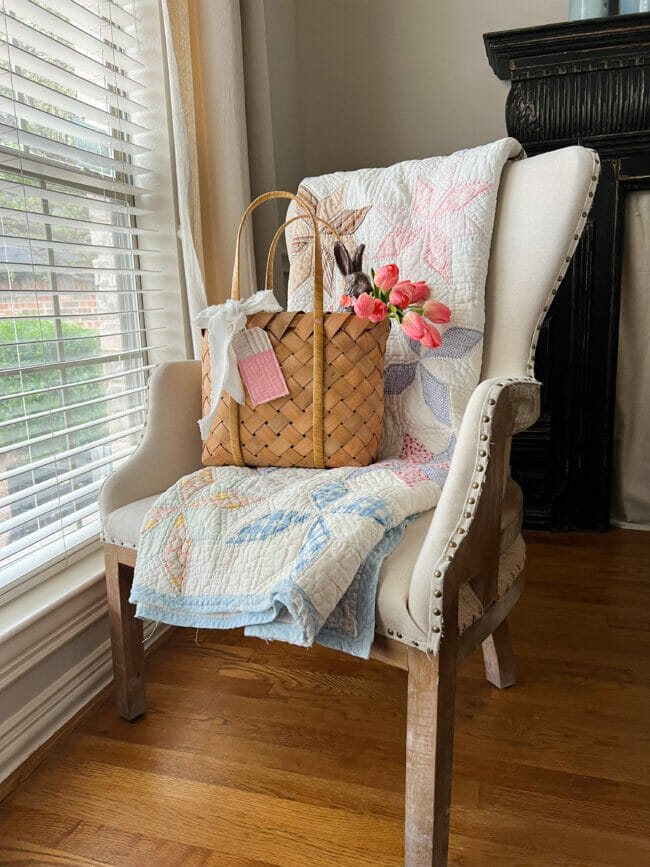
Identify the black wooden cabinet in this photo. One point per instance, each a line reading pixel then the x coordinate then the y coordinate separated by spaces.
pixel 579 82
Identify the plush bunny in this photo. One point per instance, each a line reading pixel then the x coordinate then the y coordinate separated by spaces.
pixel 356 282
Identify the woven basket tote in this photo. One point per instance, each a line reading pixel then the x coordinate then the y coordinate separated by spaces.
pixel 333 364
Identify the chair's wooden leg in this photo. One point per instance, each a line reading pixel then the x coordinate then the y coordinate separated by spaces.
pixel 498 657
pixel 126 638
pixel 429 755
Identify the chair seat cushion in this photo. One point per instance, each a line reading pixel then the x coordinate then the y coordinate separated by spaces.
pixel 122 527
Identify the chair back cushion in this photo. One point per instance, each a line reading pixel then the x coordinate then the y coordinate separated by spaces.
pixel 542 208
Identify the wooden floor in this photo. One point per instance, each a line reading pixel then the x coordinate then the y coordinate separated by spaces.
pixel 256 754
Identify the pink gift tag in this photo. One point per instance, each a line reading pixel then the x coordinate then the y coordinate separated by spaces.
pixel 258 365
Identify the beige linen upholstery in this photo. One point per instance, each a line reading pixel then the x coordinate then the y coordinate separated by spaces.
pixel 170 446
pixel 122 527
pixel 542 207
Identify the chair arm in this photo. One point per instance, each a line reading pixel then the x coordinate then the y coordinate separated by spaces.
pixel 170 446
pixel 463 539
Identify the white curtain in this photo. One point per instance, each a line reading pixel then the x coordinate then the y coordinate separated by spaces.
pixel 631 493
pixel 194 283
pixel 208 102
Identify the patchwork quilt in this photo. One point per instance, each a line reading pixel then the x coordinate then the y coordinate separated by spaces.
pixel 295 553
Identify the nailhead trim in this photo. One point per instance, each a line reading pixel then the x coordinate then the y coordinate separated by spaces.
pixel 467 515
pixel 480 468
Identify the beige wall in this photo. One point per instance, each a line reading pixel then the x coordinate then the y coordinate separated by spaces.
pixel 377 81
pixel 358 83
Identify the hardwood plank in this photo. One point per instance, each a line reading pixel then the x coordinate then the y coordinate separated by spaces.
pixel 198 814
pixel 104 843
pixel 255 754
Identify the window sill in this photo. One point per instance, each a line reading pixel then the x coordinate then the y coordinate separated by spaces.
pixel 31 606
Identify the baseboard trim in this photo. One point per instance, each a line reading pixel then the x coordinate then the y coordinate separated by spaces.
pixel 39 719
pixel 62 624
pixel 32 732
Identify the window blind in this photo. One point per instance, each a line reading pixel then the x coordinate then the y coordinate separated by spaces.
pixel 73 338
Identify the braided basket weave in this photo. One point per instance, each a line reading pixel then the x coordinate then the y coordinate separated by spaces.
pixel 333 364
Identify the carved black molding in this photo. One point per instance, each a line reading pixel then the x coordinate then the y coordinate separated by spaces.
pixel 551 45
pixel 578 105
pixel 579 82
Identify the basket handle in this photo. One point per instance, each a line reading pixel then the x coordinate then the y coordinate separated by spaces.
pixel 268 282
pixel 318 436
pixel 316 257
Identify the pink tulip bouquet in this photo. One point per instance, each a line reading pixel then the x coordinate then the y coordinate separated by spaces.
pixel 408 303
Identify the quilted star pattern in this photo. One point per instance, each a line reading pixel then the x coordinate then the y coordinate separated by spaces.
pixel 345 221
pixel 437 215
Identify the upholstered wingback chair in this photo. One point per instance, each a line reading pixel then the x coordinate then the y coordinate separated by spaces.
pixel 460 563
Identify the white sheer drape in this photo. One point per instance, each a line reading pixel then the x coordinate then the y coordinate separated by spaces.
pixel 631 493
pixel 194 284
pixel 207 89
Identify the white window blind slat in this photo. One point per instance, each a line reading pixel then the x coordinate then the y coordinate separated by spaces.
pixel 53 436
pixel 75 340
pixel 51 507
pixel 31 218
pixel 36 165
pixel 43 342
pixel 60 479
pixel 79 112
pixel 47 71
pixel 109 377
pixel 15 267
pixel 118 14
pixel 28 191
pixel 73 364
pixel 68 454
pixel 107 26
pixel 16 111
pixel 44 246
pixel 66 29
pixel 66 53
pixel 50 529
pixel 65 317
pixel 15 133
pixel 49 413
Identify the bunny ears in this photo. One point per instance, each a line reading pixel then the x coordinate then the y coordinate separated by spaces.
pixel 348 264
